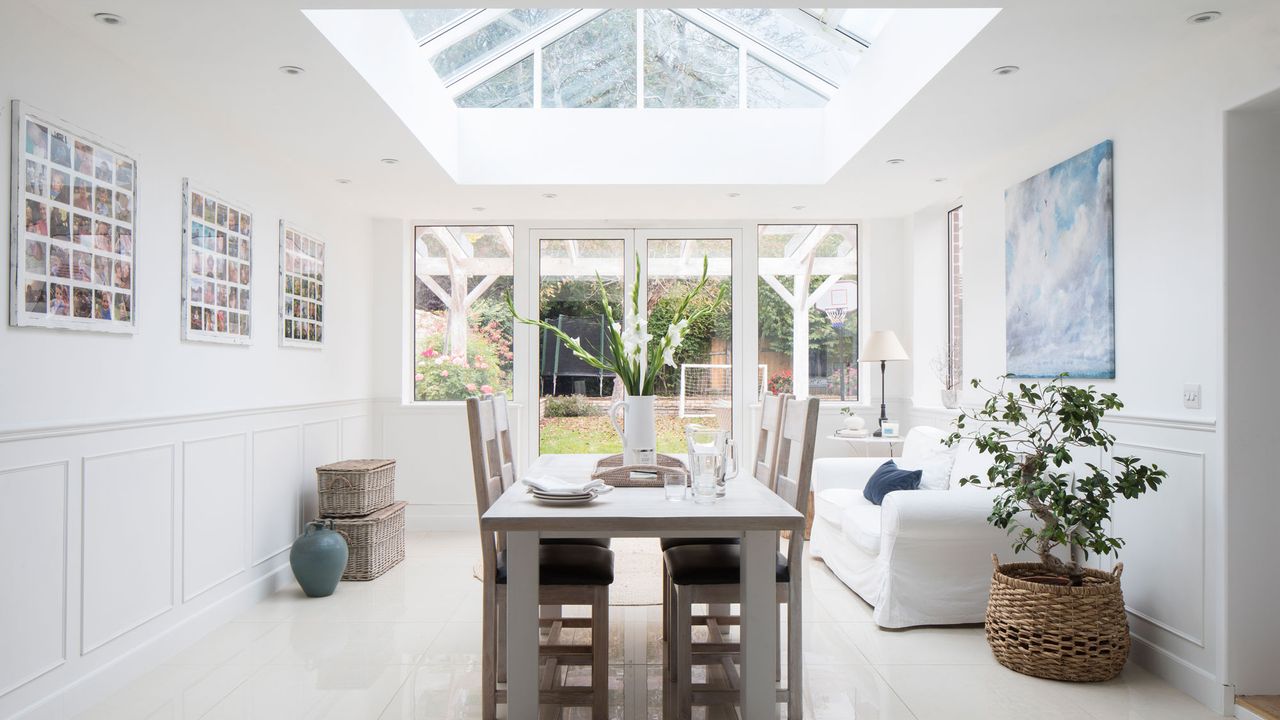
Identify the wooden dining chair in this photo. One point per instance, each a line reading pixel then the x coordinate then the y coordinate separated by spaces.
pixel 570 574
pixel 763 468
pixel 710 574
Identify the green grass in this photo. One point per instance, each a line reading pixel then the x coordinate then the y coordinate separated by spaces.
pixel 596 435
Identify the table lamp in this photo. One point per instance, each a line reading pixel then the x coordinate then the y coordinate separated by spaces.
pixel 883 346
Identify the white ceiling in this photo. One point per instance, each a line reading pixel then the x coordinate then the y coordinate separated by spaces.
pixel 332 124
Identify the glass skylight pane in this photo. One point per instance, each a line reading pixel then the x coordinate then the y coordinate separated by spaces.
pixel 790 39
pixel 426 22
pixel 511 88
pixel 593 66
pixel 686 66
pixel 492 39
pixel 865 23
pixel 768 88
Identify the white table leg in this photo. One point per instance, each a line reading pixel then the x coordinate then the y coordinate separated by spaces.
pixel 759 625
pixel 522 625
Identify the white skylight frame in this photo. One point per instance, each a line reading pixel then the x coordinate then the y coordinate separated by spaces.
pixel 824 28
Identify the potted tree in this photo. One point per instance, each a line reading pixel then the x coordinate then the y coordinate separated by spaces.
pixel 1055 618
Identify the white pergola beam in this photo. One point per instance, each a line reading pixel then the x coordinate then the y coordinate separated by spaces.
pixel 479 289
pixel 823 288
pixel 782 291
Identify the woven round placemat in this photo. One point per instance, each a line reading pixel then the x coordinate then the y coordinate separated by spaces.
pixel 1058 632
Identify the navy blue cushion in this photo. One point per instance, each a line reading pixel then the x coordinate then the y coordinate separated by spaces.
pixel 887 478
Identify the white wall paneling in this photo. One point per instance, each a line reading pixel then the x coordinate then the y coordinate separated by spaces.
pixel 276 477
pixel 214 493
pixel 128 525
pixel 320 446
pixel 138 537
pixel 356 438
pixel 33 526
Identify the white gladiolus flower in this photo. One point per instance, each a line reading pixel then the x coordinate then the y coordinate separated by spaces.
pixel 669 356
pixel 635 338
pixel 675 334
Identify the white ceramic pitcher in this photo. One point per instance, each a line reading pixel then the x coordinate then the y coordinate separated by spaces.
pixel 639 436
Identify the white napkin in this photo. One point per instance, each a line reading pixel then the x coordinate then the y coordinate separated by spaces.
pixel 548 485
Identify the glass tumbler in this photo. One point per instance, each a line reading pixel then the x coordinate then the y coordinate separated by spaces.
pixel 675 483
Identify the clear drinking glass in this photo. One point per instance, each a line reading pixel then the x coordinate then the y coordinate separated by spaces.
pixel 675 484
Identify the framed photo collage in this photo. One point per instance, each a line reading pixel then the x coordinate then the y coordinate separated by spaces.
pixel 73 250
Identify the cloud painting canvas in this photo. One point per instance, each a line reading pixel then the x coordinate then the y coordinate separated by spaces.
pixel 1060 270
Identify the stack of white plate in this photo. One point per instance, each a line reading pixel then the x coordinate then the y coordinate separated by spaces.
pixel 559 498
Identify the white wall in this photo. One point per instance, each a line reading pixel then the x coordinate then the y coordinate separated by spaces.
pixel 151 486
pixel 1169 137
pixel 1252 266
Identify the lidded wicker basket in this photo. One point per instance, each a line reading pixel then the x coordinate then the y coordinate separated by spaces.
pixel 356 487
pixel 375 543
pixel 1057 632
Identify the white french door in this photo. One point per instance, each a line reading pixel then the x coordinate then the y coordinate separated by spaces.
pixel 709 384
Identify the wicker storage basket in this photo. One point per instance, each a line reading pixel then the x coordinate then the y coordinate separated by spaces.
pixel 375 542
pixel 611 470
pixel 1079 634
pixel 356 487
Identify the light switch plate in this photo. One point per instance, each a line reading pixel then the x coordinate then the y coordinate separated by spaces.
pixel 1191 397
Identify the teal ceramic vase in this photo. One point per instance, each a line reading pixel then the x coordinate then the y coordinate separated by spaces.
pixel 318 557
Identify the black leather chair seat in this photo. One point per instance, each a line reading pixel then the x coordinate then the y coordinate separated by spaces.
pixel 597 542
pixel 568 565
pixel 668 543
pixel 712 565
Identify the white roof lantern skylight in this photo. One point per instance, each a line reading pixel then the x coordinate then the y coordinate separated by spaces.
pixel 693 58
pixel 699 96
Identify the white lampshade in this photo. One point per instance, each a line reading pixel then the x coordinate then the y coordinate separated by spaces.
pixel 882 345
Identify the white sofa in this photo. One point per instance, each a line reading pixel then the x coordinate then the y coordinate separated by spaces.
pixel 923 557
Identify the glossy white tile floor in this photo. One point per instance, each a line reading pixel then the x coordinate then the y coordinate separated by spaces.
pixel 408 646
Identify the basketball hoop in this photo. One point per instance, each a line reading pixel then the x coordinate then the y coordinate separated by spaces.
pixel 836 315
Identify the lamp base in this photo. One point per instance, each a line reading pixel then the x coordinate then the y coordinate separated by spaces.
pixel 878 433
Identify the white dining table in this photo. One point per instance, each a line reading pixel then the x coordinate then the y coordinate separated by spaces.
pixel 749 511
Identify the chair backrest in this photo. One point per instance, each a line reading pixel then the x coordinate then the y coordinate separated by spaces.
pixel 795 463
pixel 506 447
pixel 486 466
pixel 771 412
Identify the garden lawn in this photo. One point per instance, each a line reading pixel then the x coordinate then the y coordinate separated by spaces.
pixel 595 434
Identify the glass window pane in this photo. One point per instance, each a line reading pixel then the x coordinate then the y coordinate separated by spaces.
pixel 791 39
pixel 953 376
pixel 490 40
pixel 593 66
pixel 511 88
pixel 462 327
pixel 699 388
pixel 575 397
pixel 686 66
pixel 820 260
pixel 426 22
pixel 768 88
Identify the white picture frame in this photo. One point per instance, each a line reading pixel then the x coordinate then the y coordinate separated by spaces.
pixel 74 216
pixel 301 287
pixel 217 296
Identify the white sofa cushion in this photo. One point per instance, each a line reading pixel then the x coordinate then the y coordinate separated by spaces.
pixel 925 451
pixel 830 504
pixel 969 462
pixel 861 526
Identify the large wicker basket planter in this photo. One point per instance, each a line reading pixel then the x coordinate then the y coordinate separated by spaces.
pixel 1078 634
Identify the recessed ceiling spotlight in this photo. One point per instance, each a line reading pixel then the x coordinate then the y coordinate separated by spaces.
pixel 939 180
pixel 735 194
pixel 343 181
pixel 108 18
pixel 1201 18
pixel 797 207
pixel 895 161
pixel 478 208
pixel 1006 70
pixel 389 161
pixel 550 196
pixel 292 70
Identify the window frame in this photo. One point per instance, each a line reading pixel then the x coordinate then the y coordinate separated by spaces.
pixel 955 305
pixel 860 299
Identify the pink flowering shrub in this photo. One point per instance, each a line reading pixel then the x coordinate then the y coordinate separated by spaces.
pixel 441 373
